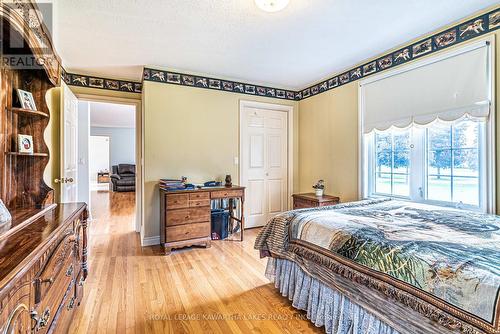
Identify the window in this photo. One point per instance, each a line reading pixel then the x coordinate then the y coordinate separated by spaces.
pixel 392 163
pixel 453 163
pixel 428 129
pixel 441 163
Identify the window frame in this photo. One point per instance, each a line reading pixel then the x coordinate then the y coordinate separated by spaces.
pixel 373 167
pixel 419 169
pixel 487 154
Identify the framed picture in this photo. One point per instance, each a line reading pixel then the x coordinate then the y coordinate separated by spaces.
pixel 25 143
pixel 26 99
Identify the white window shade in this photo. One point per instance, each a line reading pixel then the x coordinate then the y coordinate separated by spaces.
pixel 448 88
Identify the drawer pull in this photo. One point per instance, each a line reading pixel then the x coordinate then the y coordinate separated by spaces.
pixel 40 321
pixel 69 272
pixel 46 280
pixel 71 303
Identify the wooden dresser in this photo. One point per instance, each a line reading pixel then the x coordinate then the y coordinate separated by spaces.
pixel 310 200
pixel 185 215
pixel 43 266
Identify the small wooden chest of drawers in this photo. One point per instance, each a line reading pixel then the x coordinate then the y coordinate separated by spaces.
pixel 310 200
pixel 185 219
pixel 185 215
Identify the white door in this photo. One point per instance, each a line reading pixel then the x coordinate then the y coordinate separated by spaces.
pixel 264 168
pixel 69 146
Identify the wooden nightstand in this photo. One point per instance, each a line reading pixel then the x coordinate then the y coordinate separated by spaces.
pixel 310 200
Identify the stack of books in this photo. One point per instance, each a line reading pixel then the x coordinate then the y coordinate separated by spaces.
pixel 172 184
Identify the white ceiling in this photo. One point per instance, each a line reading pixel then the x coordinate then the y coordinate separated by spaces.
pixel 232 39
pixel 112 115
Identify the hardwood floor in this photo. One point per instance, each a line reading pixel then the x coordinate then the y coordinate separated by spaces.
pixel 131 289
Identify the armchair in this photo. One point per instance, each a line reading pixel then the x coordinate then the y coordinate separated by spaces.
pixel 123 177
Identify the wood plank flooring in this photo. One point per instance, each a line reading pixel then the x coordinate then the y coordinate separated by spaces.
pixel 131 289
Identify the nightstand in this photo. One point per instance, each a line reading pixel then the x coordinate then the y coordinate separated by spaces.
pixel 310 200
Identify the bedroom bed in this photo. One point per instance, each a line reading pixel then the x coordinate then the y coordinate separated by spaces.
pixel 387 266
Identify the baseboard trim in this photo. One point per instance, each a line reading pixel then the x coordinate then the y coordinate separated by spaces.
pixel 150 241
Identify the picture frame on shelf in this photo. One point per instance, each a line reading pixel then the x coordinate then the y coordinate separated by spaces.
pixel 25 143
pixel 26 99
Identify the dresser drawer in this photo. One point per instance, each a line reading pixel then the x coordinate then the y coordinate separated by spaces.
pixel 53 281
pixel 59 267
pixel 199 203
pixel 188 231
pixel 198 196
pixel 301 204
pixel 186 216
pixel 176 201
pixel 226 193
pixel 62 319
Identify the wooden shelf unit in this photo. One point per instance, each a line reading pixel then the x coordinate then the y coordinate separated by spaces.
pixel 28 154
pixel 29 112
pixel 23 186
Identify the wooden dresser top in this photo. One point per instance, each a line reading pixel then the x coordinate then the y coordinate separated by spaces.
pixel 16 249
pixel 204 189
pixel 313 197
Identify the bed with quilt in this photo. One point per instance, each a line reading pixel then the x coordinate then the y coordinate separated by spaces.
pixel 388 266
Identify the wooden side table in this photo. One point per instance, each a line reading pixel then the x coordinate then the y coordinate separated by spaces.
pixel 102 177
pixel 310 200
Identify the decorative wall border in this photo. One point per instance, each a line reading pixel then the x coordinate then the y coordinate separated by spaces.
pixel 191 80
pixel 100 83
pixel 461 32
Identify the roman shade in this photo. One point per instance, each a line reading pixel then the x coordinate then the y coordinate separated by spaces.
pixel 450 87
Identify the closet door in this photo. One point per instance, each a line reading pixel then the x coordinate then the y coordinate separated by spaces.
pixel 264 169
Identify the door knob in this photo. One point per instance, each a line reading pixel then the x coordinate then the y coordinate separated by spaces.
pixel 64 180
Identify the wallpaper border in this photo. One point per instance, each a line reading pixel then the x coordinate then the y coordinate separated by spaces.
pixel 461 32
pixel 89 81
pixel 198 81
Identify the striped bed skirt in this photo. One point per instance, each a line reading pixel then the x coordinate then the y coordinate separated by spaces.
pixel 324 305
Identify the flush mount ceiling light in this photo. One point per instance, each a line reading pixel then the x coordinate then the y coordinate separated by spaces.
pixel 271 5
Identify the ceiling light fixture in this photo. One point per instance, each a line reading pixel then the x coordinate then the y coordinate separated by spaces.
pixel 271 5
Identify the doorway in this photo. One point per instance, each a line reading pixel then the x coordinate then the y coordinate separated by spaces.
pixel 265 159
pixel 101 136
pixel 110 162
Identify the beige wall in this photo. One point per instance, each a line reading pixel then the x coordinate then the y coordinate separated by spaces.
pixel 328 137
pixel 328 145
pixel 191 132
